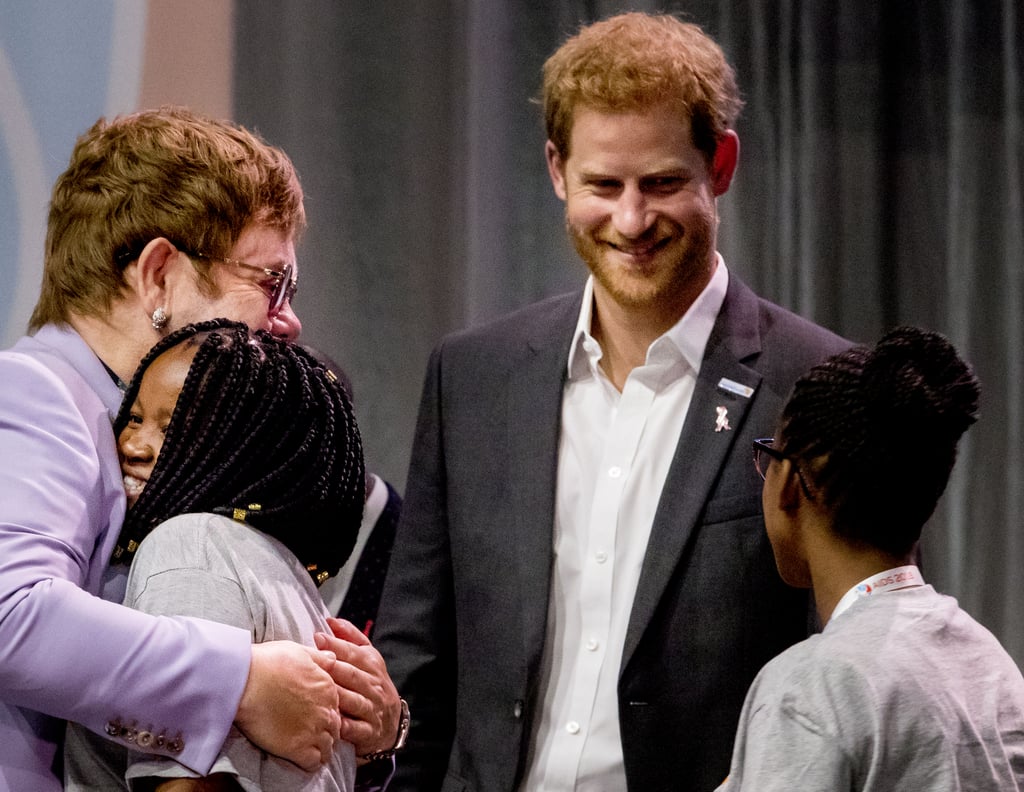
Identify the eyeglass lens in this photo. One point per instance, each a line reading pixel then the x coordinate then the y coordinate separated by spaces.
pixel 284 290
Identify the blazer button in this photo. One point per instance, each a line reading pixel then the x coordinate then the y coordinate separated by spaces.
pixel 517 710
pixel 145 739
pixel 129 732
pixel 175 745
pixel 113 728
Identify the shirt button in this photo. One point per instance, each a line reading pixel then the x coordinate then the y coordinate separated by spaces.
pixel 572 727
pixel 592 645
pixel 614 472
pixel 600 556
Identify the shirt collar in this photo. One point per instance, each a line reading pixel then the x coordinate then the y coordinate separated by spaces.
pixel 120 383
pixel 893 579
pixel 687 338
pixel 70 346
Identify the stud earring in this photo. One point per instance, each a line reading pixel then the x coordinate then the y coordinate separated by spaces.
pixel 159 318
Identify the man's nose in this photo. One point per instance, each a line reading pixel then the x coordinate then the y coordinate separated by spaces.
pixel 286 324
pixel 632 215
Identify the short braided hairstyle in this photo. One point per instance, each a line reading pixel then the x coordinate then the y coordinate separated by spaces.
pixel 258 421
pixel 876 431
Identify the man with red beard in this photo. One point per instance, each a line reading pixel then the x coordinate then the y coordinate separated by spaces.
pixel 581 589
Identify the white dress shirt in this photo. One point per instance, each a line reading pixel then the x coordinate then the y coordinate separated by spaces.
pixel 334 589
pixel 614 454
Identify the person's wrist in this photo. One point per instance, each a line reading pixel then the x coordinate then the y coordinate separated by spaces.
pixel 400 737
pixel 248 702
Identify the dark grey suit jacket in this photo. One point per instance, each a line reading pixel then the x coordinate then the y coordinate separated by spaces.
pixel 462 621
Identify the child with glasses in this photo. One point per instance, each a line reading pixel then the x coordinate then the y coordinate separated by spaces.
pixel 241 457
pixel 902 689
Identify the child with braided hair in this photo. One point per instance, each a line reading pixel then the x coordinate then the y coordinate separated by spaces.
pixel 902 689
pixel 241 457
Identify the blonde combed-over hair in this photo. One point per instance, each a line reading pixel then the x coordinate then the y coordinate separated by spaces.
pixel 169 173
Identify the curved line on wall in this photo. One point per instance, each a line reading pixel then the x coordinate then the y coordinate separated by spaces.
pixel 24 151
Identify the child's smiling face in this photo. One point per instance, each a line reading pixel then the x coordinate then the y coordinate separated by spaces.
pixel 141 439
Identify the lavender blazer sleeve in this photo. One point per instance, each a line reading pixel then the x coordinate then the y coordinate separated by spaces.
pixel 65 653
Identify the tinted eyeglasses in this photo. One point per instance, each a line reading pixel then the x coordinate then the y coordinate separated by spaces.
pixel 279 285
pixel 765 451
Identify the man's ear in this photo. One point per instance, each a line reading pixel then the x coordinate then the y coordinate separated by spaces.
pixel 148 275
pixel 723 164
pixel 556 169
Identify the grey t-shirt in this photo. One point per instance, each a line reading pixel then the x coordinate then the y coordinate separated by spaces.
pixel 212 567
pixel 903 691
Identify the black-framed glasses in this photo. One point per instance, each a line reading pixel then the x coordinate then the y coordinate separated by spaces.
pixel 279 285
pixel 765 451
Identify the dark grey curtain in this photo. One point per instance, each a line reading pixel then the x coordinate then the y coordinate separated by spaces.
pixel 880 182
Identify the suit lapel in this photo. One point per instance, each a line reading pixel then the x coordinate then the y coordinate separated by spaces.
pixel 532 431
pixel 700 453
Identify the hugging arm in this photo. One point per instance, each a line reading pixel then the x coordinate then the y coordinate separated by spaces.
pixel 63 651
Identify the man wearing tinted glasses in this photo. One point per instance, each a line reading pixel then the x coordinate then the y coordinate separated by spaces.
pixel 279 285
pixel 162 218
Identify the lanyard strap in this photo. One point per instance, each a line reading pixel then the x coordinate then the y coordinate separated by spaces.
pixel 889 580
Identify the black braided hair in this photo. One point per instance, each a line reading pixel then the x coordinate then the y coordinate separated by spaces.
pixel 876 431
pixel 260 426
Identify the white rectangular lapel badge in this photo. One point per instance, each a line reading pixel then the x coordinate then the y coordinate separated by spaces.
pixel 735 388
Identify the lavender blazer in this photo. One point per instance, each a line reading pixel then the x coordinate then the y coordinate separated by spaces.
pixel 65 652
